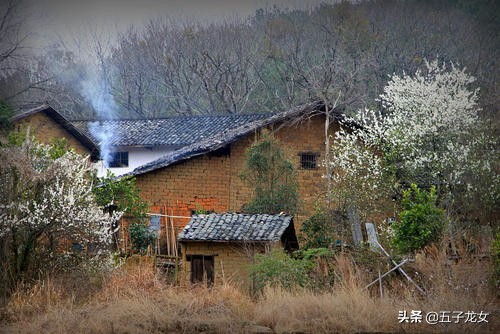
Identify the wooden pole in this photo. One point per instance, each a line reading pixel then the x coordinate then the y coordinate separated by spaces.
pixel 380 285
pixel 176 273
pixel 166 230
pixel 387 273
pixel 401 270
pixel 174 243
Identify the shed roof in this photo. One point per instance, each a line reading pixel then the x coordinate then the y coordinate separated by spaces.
pixel 172 131
pixel 235 227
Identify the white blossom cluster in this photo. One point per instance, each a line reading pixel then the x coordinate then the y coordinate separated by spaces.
pixel 51 198
pixel 428 132
pixel 357 173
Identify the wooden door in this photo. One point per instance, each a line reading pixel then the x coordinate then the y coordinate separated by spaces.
pixel 202 269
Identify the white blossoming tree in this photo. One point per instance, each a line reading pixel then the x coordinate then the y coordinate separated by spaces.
pixel 46 202
pixel 358 174
pixel 428 133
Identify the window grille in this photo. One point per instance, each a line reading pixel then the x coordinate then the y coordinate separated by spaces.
pixel 308 160
pixel 118 159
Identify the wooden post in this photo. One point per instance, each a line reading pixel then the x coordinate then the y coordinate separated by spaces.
pixel 176 272
pixel 166 229
pixel 380 284
pixel 174 241
pixel 401 270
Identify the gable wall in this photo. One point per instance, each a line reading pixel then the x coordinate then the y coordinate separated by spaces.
pixel 306 137
pixel 45 129
pixel 213 183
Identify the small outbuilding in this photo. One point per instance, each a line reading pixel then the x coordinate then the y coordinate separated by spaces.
pixel 218 248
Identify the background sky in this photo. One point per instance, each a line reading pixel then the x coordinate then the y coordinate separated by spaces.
pixel 64 17
pixel 71 22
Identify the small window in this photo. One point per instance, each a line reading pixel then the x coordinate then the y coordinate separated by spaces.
pixel 308 160
pixel 76 247
pixel 118 159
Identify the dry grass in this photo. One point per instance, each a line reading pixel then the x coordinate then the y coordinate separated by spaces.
pixel 134 300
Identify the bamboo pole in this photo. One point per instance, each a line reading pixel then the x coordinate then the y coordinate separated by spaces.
pixel 166 229
pixel 159 214
pixel 174 242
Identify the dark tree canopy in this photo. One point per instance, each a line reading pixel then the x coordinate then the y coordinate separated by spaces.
pixel 273 60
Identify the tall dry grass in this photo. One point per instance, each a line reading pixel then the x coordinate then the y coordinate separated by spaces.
pixel 131 300
pixel 134 300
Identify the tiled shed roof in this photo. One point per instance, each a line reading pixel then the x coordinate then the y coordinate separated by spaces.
pixel 175 131
pixel 235 227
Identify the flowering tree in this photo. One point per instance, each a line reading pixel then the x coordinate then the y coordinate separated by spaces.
pixel 428 133
pixel 46 200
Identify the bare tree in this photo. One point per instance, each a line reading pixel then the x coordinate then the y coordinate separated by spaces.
pixel 13 37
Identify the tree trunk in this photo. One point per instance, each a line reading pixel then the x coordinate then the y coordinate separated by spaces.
pixel 327 163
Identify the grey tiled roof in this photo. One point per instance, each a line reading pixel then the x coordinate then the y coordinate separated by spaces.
pixel 176 131
pixel 235 227
pixel 226 137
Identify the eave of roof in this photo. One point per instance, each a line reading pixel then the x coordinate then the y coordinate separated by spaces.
pixel 231 135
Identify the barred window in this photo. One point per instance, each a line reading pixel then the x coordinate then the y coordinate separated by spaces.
pixel 118 159
pixel 308 160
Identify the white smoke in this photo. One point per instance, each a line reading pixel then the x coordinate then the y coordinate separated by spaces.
pixel 97 92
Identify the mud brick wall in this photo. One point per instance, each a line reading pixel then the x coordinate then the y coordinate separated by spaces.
pixel 306 137
pixel 231 262
pixel 197 184
pixel 45 130
pixel 213 183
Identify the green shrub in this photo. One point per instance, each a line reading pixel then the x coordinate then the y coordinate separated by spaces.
pixel 278 269
pixel 420 222
pixel 121 192
pixel 6 112
pixel 317 231
pixel 141 237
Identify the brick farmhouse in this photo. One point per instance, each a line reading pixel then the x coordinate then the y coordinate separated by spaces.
pixel 205 175
pixel 201 156
pixel 46 124
pixel 198 171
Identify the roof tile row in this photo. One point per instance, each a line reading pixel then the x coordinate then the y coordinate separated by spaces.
pixel 235 227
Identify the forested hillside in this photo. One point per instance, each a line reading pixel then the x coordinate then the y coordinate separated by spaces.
pixel 273 60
